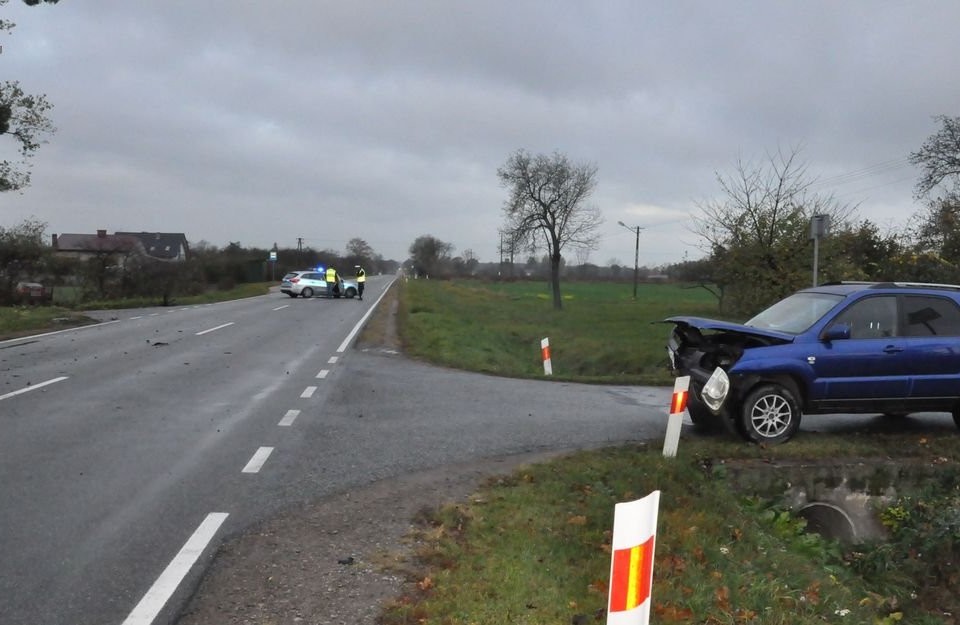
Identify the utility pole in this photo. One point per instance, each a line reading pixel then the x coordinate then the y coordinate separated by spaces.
pixel 636 254
pixel 300 251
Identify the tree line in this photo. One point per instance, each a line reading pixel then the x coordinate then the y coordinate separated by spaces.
pixel 119 272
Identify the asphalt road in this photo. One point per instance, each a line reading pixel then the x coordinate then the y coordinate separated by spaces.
pixel 131 449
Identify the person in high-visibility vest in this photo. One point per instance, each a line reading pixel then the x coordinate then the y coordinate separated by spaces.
pixel 361 280
pixel 331 278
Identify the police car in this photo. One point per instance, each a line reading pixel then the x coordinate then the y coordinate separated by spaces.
pixel 310 282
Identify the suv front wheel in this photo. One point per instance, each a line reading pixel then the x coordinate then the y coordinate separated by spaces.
pixel 770 415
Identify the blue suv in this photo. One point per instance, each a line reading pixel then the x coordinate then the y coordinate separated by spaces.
pixel 848 347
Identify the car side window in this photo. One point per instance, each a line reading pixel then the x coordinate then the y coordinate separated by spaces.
pixel 930 316
pixel 871 318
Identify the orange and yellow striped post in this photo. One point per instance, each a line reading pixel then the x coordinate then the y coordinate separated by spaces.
pixel 631 561
pixel 545 354
pixel 678 404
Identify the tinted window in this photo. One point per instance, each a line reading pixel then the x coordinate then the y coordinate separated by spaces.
pixel 930 316
pixel 870 318
pixel 795 313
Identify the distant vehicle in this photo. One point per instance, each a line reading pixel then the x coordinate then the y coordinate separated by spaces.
pixel 850 347
pixel 31 292
pixel 308 283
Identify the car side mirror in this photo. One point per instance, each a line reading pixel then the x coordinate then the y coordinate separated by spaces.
pixel 836 332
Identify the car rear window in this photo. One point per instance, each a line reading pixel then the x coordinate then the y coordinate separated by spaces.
pixel 930 316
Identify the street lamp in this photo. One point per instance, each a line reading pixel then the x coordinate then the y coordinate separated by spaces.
pixel 636 255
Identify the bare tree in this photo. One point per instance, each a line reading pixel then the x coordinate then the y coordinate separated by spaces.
pixel 757 232
pixel 546 206
pixel 939 157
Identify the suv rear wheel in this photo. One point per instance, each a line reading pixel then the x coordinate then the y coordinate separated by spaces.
pixel 307 292
pixel 770 415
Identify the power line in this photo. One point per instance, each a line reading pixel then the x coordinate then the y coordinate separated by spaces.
pixel 870 171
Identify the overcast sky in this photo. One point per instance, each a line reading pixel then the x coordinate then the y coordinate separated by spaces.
pixel 265 122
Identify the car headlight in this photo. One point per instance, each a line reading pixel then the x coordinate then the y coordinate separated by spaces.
pixel 716 389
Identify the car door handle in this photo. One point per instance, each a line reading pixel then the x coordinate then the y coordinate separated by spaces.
pixel 892 349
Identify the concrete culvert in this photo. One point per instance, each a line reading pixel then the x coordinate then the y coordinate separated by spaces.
pixel 829 521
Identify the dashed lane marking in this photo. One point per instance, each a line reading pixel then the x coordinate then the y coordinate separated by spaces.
pixel 323 373
pixel 289 418
pixel 34 387
pixel 258 460
pixel 219 327
pixel 308 392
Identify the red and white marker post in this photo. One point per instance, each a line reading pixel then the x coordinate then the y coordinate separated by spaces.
pixel 678 404
pixel 545 353
pixel 631 561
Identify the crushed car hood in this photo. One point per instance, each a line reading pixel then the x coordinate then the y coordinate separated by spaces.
pixel 715 325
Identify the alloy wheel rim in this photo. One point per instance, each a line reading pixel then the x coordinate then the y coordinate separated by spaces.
pixel 771 416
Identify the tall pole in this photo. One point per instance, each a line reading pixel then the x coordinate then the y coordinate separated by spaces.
pixel 636 263
pixel 816 258
pixel 819 227
pixel 636 254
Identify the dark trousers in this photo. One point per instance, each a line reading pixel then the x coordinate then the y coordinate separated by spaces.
pixel 360 289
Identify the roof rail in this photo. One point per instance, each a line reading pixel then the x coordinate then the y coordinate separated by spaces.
pixel 839 282
pixel 921 285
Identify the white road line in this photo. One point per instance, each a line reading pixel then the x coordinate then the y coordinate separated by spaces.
pixel 323 373
pixel 154 314
pixel 36 336
pixel 282 307
pixel 259 458
pixel 332 361
pixel 289 418
pixel 153 601
pixel 308 392
pixel 219 327
pixel 137 317
pixel 34 387
pixel 363 320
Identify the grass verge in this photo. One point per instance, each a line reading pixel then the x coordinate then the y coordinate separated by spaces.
pixel 534 548
pixel 16 321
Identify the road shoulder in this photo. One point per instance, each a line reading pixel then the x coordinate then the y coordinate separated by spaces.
pixel 336 561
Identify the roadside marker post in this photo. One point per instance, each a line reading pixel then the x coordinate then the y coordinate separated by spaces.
pixel 678 404
pixel 631 561
pixel 545 353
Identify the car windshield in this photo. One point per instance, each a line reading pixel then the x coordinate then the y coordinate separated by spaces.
pixel 795 313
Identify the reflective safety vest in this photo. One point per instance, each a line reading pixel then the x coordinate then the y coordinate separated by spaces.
pixel 361 275
pixel 331 274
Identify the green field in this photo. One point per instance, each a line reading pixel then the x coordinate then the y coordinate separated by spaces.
pixel 601 335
